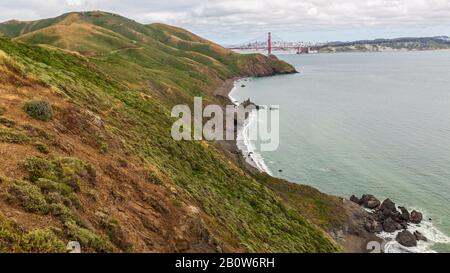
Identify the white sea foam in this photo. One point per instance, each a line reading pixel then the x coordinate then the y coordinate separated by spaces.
pixel 244 144
pixel 426 228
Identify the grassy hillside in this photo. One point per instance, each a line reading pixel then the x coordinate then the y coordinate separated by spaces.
pixel 102 168
pixel 156 59
pixel 15 28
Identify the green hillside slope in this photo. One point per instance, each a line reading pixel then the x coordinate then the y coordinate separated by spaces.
pixel 157 59
pixel 104 170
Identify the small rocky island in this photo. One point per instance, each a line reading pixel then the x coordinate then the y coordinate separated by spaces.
pixel 248 103
pixel 386 217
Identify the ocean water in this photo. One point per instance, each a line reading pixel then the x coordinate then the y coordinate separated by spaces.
pixel 357 123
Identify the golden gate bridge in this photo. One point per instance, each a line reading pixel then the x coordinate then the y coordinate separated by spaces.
pixel 271 43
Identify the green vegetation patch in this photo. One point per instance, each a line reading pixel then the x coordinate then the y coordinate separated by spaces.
pixel 29 196
pixel 114 231
pixel 39 109
pixel 66 170
pixel 321 209
pixel 13 137
pixel 41 168
pixel 7 122
pixel 87 238
pixel 65 214
pixel 42 148
pixel 42 195
pixel 13 239
pixel 58 180
pixel 59 193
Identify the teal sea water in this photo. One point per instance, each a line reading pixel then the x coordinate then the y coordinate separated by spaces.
pixel 357 123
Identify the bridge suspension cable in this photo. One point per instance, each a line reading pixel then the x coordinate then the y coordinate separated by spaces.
pixel 273 42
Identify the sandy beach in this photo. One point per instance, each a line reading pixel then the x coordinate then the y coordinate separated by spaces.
pixel 241 149
pixel 233 150
pixel 343 234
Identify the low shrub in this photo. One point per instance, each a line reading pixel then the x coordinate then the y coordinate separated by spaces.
pixel 39 109
pixel 9 136
pixel 114 230
pixel 40 168
pixel 42 148
pixel 57 198
pixel 7 122
pixel 13 239
pixel 48 186
pixel 29 196
pixel 93 195
pixel 58 193
pixel 60 176
pixel 42 241
pixel 66 170
pixel 36 132
pixel 87 238
pixel 64 214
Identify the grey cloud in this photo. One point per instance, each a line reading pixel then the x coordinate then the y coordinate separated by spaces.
pixel 220 18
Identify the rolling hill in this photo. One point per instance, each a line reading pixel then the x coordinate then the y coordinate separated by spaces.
pixel 87 153
pixel 166 57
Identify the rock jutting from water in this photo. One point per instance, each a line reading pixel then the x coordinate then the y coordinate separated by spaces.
pixel 248 103
pixel 386 217
pixel 406 238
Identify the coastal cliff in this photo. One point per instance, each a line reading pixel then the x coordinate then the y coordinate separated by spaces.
pixel 257 65
pixel 86 154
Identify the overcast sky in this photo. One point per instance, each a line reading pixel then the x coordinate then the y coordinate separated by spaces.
pixel 234 21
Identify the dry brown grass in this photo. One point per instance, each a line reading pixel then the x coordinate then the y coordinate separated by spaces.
pixel 73 36
pixel 176 32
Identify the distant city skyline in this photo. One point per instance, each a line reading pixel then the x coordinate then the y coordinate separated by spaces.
pixel 237 21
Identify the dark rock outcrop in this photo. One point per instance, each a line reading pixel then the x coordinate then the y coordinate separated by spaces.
pixel 416 217
pixel 386 217
pixel 406 238
pixel 389 225
pixel 355 199
pixel 369 201
pixel 406 216
pixel 404 225
pixel 248 103
pixel 388 205
pixel 373 226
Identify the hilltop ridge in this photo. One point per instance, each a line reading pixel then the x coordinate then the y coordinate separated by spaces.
pixel 163 55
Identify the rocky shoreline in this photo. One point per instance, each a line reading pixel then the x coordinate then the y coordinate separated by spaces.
pixel 351 235
pixel 386 216
pixel 368 219
pixel 239 157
